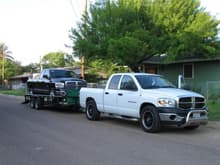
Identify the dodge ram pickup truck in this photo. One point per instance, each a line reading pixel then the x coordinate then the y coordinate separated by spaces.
pixel 54 87
pixel 150 98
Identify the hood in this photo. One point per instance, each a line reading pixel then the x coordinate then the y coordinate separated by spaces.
pixel 171 92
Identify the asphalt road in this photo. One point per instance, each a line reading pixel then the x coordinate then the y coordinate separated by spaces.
pixel 57 137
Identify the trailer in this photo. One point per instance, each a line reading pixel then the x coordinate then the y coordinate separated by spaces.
pixel 54 87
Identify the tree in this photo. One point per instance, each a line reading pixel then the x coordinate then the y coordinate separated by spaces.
pixel 104 68
pixel 5 55
pixel 188 31
pixel 12 68
pixel 56 59
pixel 128 32
pixel 32 67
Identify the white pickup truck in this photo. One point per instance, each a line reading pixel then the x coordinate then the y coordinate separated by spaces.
pixel 147 97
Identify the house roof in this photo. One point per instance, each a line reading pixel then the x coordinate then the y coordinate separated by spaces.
pixel 162 60
pixel 25 75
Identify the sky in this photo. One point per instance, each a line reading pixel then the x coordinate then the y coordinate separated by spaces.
pixel 33 28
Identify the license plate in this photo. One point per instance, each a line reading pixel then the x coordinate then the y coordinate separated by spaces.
pixel 196 115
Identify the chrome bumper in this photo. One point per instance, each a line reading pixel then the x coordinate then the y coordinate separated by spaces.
pixel 194 117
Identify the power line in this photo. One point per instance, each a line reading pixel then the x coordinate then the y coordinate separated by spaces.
pixel 74 10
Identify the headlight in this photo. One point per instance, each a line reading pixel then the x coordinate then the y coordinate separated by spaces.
pixel 59 85
pixel 165 102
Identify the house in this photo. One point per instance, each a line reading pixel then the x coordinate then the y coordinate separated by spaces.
pixel 201 75
pixel 19 81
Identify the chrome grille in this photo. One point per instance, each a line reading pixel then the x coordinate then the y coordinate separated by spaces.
pixel 191 102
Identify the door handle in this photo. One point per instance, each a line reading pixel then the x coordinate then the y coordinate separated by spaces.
pixel 106 93
pixel 120 94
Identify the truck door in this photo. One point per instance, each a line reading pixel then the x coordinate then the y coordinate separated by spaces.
pixel 128 97
pixel 110 94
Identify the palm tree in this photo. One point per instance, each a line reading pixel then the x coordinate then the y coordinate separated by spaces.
pixel 5 54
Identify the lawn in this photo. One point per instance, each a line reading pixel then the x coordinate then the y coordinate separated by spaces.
pixel 214 110
pixel 20 92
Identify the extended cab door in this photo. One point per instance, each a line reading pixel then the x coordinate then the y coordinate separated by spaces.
pixel 128 97
pixel 110 94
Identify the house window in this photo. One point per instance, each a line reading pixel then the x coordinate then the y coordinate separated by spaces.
pixel 188 70
pixel 151 69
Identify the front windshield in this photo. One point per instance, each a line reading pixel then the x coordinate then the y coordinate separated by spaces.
pixel 153 81
pixel 62 74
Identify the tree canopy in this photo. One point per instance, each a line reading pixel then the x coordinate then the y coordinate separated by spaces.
pixel 128 32
pixel 57 59
pixel 7 62
pixel 7 53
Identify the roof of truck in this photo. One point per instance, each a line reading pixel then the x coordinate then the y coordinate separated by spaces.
pixel 135 74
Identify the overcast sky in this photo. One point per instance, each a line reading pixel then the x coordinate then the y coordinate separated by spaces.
pixel 33 28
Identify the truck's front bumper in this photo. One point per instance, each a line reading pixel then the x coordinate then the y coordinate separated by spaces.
pixel 183 118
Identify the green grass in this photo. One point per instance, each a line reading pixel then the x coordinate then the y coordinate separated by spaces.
pixel 19 92
pixel 214 110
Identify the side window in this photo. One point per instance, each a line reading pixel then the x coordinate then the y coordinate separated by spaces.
pixel 42 73
pixel 114 82
pixel 45 72
pixel 128 83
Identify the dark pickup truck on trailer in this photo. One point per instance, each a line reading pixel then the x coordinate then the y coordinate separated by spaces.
pixel 54 87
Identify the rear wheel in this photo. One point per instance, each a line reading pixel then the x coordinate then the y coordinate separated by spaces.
pixel 150 120
pixel 32 102
pixel 91 110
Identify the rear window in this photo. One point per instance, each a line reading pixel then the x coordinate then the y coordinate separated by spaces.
pixel 62 74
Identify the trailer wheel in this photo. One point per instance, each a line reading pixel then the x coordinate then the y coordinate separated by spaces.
pixel 150 120
pixel 32 102
pixel 91 110
pixel 38 103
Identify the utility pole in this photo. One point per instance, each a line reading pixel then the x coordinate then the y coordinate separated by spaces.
pixel 41 65
pixel 83 56
pixel 3 66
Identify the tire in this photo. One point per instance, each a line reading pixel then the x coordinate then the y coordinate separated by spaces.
pixel 38 103
pixel 30 91
pixel 32 102
pixel 191 127
pixel 150 120
pixel 91 111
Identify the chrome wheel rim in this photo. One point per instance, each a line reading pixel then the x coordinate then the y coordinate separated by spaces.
pixel 147 119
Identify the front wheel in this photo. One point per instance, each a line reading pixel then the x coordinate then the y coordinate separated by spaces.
pixel 38 103
pixel 150 120
pixel 91 110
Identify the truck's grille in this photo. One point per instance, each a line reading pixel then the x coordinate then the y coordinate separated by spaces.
pixel 191 102
pixel 74 85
